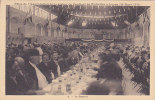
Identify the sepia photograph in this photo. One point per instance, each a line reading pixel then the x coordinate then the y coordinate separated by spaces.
pixel 77 49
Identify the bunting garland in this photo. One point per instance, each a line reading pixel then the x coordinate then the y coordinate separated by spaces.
pixel 102 14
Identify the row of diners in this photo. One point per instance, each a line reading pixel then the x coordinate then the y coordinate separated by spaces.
pixel 31 68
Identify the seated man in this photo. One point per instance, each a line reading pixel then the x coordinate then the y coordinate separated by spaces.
pixel 75 55
pixel 38 79
pixel 46 68
pixel 17 79
pixel 58 66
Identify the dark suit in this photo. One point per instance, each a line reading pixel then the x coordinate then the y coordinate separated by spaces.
pixel 19 85
pixel 46 70
pixel 62 64
pixel 32 73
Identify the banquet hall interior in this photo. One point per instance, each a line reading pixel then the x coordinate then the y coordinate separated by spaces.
pixel 77 49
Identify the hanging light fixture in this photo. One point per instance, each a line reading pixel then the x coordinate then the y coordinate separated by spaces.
pixel 84 23
pixel 119 10
pixel 70 22
pixel 124 10
pixel 113 23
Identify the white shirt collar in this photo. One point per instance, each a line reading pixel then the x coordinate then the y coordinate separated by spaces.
pixel 33 65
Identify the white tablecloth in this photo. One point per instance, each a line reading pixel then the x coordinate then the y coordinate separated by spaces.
pixel 87 78
pixel 72 77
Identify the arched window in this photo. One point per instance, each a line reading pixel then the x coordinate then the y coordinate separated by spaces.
pixel 14 24
pixel 38 29
pixel 46 30
pixel 43 31
pixel 29 28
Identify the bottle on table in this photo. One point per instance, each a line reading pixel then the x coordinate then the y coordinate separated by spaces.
pixel 59 92
pixel 57 88
pixel 68 88
pixel 68 85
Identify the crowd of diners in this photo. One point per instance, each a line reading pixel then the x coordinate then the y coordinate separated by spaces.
pixel 29 68
pixel 136 60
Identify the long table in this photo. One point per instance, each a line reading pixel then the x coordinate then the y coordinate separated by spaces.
pixel 77 79
pixel 74 81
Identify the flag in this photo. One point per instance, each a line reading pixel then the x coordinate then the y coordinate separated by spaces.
pixel 28 17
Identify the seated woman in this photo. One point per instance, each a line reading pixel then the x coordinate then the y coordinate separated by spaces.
pixel 46 68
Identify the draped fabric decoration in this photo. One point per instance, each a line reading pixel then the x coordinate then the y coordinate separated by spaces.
pixel 52 21
pixel 95 15
pixel 28 17
pixel 140 30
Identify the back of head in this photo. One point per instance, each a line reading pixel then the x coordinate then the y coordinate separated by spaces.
pixel 19 60
pixel 97 88
pixel 30 53
pixel 111 71
pixel 104 87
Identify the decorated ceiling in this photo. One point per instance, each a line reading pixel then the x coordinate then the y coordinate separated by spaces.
pixel 94 16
